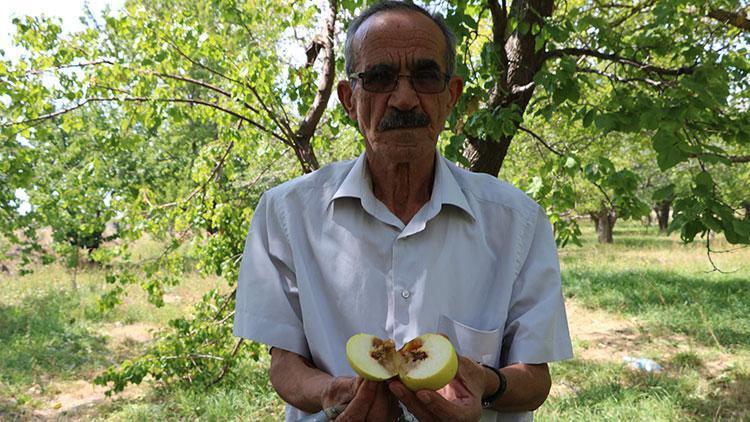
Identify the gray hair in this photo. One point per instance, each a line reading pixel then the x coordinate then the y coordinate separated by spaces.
pixel 450 38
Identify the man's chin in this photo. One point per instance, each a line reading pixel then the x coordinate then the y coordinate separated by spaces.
pixel 403 147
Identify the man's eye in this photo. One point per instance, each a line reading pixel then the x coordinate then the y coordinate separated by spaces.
pixel 379 76
pixel 427 75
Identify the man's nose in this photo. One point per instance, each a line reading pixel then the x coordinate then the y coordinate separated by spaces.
pixel 404 97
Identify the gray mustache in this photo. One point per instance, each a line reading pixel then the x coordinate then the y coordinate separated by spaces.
pixel 403 119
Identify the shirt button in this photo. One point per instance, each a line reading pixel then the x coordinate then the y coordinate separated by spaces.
pixel 405 294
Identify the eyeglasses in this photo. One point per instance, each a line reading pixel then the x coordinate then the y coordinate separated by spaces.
pixel 427 81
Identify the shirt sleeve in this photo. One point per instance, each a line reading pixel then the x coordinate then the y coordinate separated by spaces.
pixel 267 308
pixel 536 330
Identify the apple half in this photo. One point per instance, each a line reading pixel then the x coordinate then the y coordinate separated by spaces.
pixel 428 362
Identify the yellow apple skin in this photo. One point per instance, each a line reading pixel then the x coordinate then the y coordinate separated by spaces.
pixel 433 374
pixel 439 379
pixel 358 355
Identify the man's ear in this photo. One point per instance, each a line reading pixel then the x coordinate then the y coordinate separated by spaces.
pixel 344 90
pixel 455 87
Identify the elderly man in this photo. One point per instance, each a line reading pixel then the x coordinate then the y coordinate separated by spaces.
pixel 401 242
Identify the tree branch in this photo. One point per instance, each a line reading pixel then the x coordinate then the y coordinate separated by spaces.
pixel 283 125
pixel 225 368
pixel 148 99
pixel 204 85
pixel 736 19
pixel 580 168
pixel 732 158
pixel 216 168
pixel 499 15
pixel 686 70
pixel 325 86
pixel 615 78
pixel 634 10
pixel 69 66
pixel 539 138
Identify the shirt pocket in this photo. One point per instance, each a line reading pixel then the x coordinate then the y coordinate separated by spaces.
pixel 481 345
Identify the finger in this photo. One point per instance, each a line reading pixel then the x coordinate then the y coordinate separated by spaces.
pixel 452 403
pixel 446 410
pixel 359 406
pixel 410 400
pixel 380 407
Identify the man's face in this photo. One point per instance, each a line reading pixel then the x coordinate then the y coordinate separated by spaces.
pixel 403 42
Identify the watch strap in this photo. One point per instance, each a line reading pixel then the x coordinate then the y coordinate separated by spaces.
pixel 488 401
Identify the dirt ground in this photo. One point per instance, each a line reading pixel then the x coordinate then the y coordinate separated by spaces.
pixel 75 400
pixel 598 335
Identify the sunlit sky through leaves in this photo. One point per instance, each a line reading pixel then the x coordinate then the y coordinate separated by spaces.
pixel 68 10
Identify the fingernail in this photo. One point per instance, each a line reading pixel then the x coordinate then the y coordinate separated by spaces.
pixel 424 397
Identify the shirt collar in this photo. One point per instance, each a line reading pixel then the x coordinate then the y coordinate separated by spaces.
pixel 445 189
pixel 356 183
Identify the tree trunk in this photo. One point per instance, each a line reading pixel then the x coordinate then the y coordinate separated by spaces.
pixel 595 219
pixel 604 219
pixel 302 138
pixel 746 206
pixel 662 214
pixel 518 62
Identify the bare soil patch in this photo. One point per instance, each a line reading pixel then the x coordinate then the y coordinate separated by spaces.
pixel 608 337
pixel 139 332
pixel 604 336
pixel 78 399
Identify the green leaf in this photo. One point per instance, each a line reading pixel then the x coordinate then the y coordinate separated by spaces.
pixel 712 223
pixel 664 194
pixel 742 227
pixel 704 183
pixel 606 122
pixel 589 117
pixel 667 146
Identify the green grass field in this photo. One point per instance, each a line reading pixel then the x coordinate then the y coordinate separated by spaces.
pixel 647 296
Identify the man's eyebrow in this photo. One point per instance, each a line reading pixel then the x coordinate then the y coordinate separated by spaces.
pixel 427 64
pixel 381 67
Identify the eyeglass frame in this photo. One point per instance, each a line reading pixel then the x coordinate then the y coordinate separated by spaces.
pixel 358 76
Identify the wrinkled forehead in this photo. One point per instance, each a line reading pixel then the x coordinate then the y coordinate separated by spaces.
pixel 398 38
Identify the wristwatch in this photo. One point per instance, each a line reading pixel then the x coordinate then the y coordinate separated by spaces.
pixel 488 401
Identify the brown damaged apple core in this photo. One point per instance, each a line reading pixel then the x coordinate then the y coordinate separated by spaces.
pixel 397 362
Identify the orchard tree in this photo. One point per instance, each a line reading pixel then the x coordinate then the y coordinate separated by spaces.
pixel 258 75
pixel 675 72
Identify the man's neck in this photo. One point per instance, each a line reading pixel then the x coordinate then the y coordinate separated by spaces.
pixel 403 187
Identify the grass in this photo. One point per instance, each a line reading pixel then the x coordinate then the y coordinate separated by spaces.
pixel 672 308
pixel 689 318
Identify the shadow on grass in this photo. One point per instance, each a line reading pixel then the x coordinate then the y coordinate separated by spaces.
pixel 707 309
pixel 42 340
pixel 610 391
pixel 636 238
pixel 645 241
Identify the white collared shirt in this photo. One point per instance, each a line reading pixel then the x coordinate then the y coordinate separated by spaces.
pixel 325 260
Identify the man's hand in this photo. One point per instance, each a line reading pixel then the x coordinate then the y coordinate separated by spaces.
pixel 308 388
pixel 372 402
pixel 460 400
pixel 339 390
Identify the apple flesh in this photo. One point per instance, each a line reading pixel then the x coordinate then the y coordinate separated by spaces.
pixel 428 362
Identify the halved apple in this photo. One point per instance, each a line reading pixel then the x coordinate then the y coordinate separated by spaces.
pixel 427 362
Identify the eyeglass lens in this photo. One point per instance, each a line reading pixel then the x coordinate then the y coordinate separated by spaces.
pixel 428 81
